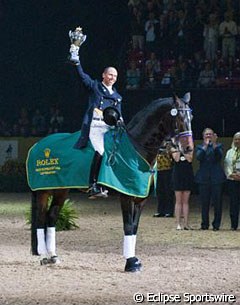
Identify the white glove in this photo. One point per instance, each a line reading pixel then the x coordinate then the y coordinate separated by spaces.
pixel 74 57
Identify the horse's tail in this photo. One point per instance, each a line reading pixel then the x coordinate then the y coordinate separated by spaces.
pixel 34 224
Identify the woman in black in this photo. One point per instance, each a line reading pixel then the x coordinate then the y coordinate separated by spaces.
pixel 182 179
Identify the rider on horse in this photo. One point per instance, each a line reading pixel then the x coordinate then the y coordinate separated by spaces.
pixel 96 122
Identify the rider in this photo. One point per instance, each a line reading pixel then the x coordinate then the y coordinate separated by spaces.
pixel 102 95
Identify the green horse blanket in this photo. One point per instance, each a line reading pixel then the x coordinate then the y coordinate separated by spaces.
pixel 54 163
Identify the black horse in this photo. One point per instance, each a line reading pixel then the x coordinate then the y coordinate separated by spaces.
pixel 147 129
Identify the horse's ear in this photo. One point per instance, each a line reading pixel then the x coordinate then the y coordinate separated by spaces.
pixel 186 98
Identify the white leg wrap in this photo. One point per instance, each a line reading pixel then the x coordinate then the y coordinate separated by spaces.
pixel 51 241
pixel 128 249
pixel 134 237
pixel 41 244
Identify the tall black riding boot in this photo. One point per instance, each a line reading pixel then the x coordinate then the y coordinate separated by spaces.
pixel 95 190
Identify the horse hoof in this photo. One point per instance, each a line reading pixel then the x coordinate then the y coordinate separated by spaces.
pixel 54 260
pixel 133 265
pixel 44 261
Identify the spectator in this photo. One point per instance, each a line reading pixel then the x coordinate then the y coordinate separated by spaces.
pixel 169 78
pixel 150 32
pixel 161 37
pixel 206 77
pixel 184 75
pixel 39 127
pixel 137 29
pixel 210 178
pixel 137 56
pixel 164 192
pixel 133 77
pixel 56 121
pixel 150 7
pixel 222 69
pixel 23 122
pixel 182 34
pixel 154 64
pixel 150 79
pixel 197 26
pixel 183 179
pixel 210 34
pixel 228 32
pixel 133 3
pixel 172 25
pixel 232 171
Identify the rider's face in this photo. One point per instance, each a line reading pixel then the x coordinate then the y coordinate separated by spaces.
pixel 110 76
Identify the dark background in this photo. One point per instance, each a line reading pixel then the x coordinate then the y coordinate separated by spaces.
pixel 35 45
pixel 34 72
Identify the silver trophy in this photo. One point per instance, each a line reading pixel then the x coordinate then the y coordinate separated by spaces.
pixel 77 38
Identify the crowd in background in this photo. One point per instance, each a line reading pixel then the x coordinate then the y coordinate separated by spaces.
pixel 37 123
pixel 182 43
pixel 173 44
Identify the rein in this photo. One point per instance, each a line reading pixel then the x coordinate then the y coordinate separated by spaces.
pixel 117 134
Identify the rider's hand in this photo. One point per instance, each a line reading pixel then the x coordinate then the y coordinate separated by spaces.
pixel 120 123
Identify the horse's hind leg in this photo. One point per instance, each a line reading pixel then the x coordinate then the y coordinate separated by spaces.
pixel 131 212
pixel 52 216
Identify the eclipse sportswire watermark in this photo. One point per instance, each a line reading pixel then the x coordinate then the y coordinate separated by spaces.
pixel 187 298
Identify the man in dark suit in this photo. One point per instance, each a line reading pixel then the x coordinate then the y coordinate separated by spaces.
pixel 210 178
pixel 102 95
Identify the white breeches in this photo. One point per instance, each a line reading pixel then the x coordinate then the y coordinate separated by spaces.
pixel 96 135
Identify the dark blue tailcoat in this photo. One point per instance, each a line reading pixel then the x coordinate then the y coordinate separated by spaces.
pixel 210 178
pixel 99 97
pixel 210 170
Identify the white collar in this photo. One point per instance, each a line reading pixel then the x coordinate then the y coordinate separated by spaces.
pixel 110 88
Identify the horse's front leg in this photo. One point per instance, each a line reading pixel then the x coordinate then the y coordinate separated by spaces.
pixel 39 216
pixel 52 215
pixel 131 212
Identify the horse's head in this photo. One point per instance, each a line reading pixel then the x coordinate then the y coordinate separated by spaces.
pixel 163 117
pixel 183 132
pixel 183 114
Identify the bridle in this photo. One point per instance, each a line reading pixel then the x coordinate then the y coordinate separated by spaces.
pixel 185 112
pixel 177 133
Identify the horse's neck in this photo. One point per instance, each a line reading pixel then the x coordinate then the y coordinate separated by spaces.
pixel 149 127
pixel 146 143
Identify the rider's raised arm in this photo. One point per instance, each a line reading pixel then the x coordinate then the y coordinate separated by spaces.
pixel 84 77
pixel 77 38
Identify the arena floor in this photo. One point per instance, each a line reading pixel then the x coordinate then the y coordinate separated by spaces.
pixel 203 264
